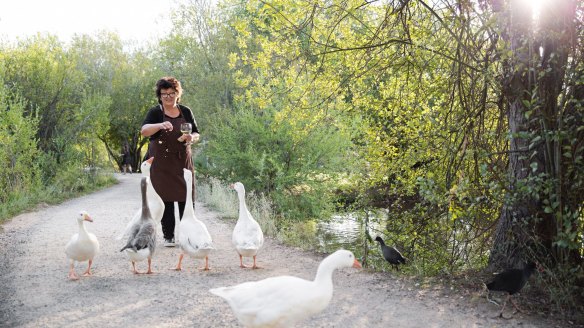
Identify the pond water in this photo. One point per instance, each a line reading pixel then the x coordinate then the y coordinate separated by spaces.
pixel 347 231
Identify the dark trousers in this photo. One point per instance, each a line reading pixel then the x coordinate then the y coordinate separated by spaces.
pixel 168 218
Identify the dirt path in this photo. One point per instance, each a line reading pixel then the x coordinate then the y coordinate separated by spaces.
pixel 35 292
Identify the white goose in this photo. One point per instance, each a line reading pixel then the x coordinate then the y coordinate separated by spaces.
pixel 155 203
pixel 142 240
pixel 284 300
pixel 247 236
pixel 193 237
pixel 83 246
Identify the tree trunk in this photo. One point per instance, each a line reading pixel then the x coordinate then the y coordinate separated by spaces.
pixel 532 84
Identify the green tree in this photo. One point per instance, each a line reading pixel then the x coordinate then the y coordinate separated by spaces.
pixel 19 172
pixel 38 68
pixel 197 53
pixel 542 85
pixel 420 78
pixel 400 85
pixel 42 71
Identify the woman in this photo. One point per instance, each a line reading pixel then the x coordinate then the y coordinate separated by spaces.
pixel 171 150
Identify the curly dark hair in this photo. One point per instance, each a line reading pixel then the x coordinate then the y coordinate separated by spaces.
pixel 168 82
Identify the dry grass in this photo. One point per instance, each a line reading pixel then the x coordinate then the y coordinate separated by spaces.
pixel 223 199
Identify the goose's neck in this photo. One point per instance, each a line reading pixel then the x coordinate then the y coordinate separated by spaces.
pixel 324 274
pixel 189 211
pixel 242 206
pixel 82 231
pixel 145 208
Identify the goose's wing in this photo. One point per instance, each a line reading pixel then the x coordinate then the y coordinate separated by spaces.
pixel 255 228
pixel 272 301
pixel 143 238
pixel 248 236
pixel 82 249
pixel 70 248
pixel 203 235
pixel 194 236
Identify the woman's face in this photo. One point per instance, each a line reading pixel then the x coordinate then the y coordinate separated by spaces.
pixel 168 96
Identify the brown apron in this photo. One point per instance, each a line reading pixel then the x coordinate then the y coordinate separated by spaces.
pixel 170 157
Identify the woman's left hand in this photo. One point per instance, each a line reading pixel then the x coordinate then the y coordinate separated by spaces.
pixel 189 138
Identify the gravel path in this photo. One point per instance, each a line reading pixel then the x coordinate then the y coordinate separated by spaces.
pixel 35 291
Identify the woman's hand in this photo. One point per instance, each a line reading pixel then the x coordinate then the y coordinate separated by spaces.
pixel 166 125
pixel 189 138
pixel 152 128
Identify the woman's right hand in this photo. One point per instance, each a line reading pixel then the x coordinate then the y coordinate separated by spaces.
pixel 152 128
pixel 166 126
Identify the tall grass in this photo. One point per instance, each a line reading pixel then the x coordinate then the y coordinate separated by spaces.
pixel 218 196
pixel 222 199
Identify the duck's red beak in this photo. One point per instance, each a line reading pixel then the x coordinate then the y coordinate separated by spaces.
pixel 357 265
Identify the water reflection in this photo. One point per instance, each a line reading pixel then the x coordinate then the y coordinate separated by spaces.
pixel 347 231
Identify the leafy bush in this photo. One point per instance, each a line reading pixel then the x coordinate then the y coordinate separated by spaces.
pixel 19 172
pixel 270 158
